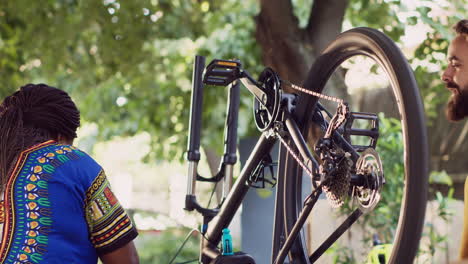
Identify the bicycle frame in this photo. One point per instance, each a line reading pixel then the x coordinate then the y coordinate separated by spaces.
pixel 215 220
pixel 233 201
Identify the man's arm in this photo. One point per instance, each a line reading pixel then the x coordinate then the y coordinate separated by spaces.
pixel 464 239
pixel 124 255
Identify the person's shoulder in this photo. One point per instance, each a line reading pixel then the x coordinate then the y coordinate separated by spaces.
pixel 59 157
pixel 65 153
pixel 64 164
pixel 79 165
pixel 80 156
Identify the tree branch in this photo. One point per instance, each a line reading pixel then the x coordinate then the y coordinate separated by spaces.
pixel 326 18
pixel 280 37
pixel 279 15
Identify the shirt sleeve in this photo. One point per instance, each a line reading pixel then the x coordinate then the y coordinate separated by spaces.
pixel 464 239
pixel 109 225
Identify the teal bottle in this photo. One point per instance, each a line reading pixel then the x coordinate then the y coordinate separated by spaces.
pixel 227 242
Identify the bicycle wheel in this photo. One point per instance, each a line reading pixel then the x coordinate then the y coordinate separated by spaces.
pixel 403 149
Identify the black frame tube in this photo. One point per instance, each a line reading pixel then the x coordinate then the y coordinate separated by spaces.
pixel 300 143
pixel 278 221
pixel 297 228
pixel 235 197
pixel 230 140
pixel 193 152
pixel 335 235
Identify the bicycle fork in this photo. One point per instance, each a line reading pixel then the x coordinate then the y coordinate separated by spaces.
pixel 229 158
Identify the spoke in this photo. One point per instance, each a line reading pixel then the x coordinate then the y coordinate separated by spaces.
pixel 335 235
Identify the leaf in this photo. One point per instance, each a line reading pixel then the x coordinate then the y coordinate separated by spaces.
pixel 440 177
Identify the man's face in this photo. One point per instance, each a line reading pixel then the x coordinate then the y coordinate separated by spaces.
pixel 455 78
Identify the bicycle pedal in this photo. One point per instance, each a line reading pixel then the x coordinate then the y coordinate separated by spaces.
pixel 237 258
pixel 372 130
pixel 222 72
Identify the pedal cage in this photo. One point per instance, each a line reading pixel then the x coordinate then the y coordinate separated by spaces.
pixel 263 175
pixel 372 132
pixel 222 72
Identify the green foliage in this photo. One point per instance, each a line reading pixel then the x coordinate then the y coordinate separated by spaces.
pixel 10 56
pixel 378 14
pixel 302 10
pixel 390 149
pixel 436 240
pixel 162 247
pixel 128 64
pixel 341 254
pixel 383 219
pixel 430 87
pixel 440 177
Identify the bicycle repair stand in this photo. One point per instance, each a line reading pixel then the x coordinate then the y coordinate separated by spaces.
pixel 219 73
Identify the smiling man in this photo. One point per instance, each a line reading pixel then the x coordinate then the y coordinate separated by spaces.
pixel 455 78
pixel 456 74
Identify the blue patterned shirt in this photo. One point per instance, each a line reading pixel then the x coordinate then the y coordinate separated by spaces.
pixel 58 207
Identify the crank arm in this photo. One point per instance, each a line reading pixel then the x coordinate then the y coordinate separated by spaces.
pixel 253 87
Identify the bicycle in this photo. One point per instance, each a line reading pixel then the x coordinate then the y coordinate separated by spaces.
pixel 333 163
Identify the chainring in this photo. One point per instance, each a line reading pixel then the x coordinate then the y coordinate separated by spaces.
pixel 266 111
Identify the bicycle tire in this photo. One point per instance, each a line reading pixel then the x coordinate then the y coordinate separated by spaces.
pixel 380 48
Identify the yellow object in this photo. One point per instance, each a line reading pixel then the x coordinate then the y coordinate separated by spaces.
pixel 379 254
pixel 226 63
pixel 464 239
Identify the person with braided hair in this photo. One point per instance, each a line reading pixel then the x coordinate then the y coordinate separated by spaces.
pixel 56 204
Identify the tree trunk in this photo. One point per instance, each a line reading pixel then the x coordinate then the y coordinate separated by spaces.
pixel 289 49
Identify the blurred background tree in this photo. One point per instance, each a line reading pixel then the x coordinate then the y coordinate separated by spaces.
pixel 128 64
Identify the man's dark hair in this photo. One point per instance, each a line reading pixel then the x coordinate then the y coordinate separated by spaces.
pixel 461 27
pixel 33 114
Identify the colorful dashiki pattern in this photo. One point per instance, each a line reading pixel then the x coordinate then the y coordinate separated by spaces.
pixel 58 207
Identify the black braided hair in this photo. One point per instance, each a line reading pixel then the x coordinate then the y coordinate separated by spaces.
pixel 33 114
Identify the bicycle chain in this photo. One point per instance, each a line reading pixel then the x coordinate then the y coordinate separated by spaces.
pixel 336 190
pixel 295 156
pixel 319 95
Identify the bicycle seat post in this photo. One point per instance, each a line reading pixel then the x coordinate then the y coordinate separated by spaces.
pixel 193 152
